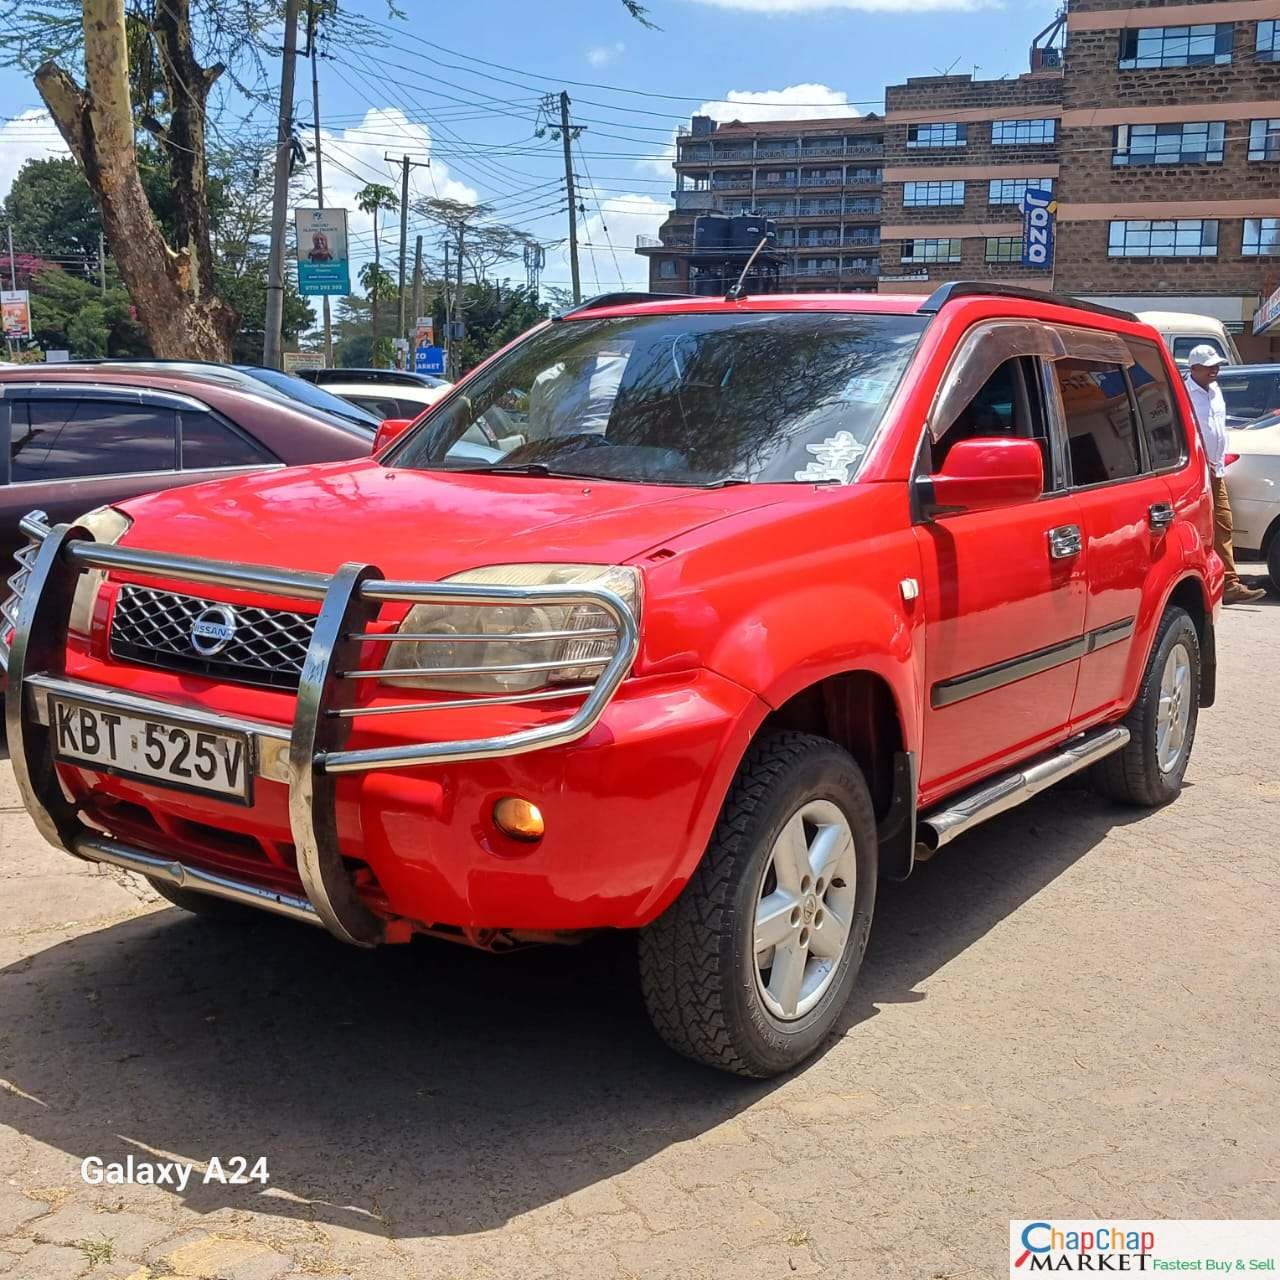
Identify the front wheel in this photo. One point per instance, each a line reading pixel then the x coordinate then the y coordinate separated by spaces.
pixel 1162 723
pixel 751 965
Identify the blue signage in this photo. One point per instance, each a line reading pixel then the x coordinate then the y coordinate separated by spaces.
pixel 430 360
pixel 323 268
pixel 1039 213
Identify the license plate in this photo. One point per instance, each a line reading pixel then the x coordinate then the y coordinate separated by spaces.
pixel 213 762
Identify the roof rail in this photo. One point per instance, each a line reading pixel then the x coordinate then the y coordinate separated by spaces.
pixel 954 290
pixel 619 300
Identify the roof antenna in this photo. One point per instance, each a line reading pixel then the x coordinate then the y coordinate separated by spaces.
pixel 736 292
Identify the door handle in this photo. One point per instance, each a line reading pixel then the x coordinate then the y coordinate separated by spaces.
pixel 1160 516
pixel 1065 542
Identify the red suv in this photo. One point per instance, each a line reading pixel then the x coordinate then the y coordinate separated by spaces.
pixel 757 601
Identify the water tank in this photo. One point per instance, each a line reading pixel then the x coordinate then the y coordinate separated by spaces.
pixel 711 232
pixel 748 229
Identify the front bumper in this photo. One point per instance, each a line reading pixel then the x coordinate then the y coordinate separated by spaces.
pixel 305 764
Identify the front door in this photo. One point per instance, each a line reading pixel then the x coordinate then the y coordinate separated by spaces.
pixel 1004 600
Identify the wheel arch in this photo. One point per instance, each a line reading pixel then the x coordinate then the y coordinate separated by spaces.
pixel 1189 595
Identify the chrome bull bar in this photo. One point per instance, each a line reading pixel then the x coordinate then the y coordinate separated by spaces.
pixel 325 711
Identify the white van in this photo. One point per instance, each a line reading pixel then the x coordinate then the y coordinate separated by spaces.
pixel 1183 330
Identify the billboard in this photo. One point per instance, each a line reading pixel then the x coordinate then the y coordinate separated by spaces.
pixel 1267 316
pixel 1039 213
pixel 323 266
pixel 15 313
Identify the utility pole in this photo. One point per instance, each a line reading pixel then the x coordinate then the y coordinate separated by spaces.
pixel 448 315
pixel 456 359
pixel 273 341
pixel 102 263
pixel 567 136
pixel 417 282
pixel 13 266
pixel 315 112
pixel 406 164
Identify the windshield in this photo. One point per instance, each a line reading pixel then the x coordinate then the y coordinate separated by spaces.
pixel 315 396
pixel 678 399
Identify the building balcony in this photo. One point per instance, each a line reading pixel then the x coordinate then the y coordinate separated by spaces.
pixel 821 180
pixel 699 200
pixel 671 240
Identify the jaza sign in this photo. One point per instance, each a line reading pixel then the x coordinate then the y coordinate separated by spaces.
pixel 1039 213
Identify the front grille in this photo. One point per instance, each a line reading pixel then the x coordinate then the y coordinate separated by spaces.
pixel 268 647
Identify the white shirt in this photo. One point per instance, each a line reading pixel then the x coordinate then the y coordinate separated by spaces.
pixel 1211 416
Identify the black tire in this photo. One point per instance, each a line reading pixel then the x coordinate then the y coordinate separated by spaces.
pixel 1273 564
pixel 206 905
pixel 1134 775
pixel 698 969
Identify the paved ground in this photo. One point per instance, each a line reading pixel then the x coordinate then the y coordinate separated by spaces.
pixel 1072 1012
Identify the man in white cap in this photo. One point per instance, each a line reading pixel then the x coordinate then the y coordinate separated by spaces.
pixel 1211 416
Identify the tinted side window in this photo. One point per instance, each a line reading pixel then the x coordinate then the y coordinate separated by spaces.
pixel 206 442
pixel 1157 407
pixel 1183 347
pixel 1250 395
pixel 66 439
pixel 387 406
pixel 1101 431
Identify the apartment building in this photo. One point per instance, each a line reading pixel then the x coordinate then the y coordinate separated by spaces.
pixel 1170 140
pixel 819 180
pixel 959 154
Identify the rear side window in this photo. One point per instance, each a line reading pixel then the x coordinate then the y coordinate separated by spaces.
pixel 1157 407
pixel 67 439
pixel 388 406
pixel 206 442
pixel 1102 432
pixel 1250 395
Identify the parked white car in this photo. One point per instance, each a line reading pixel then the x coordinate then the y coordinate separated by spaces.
pixel 1253 482
pixel 387 400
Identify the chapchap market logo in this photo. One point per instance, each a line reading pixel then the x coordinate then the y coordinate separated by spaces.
pixel 1042 1246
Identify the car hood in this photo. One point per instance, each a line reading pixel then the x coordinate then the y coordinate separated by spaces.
pixel 422 524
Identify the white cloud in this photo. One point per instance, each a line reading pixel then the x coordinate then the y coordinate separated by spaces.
pixel 870 6
pixel 602 54
pixel 795 102
pixel 354 158
pixel 32 135
pixel 626 216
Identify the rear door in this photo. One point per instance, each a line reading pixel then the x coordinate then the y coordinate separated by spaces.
pixel 1124 438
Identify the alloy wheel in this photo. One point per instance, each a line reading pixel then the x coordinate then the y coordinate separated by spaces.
pixel 1173 712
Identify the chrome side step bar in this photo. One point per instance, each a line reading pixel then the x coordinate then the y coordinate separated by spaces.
pixel 1011 789
pixel 98 848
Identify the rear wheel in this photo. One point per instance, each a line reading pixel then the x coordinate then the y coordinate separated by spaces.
pixel 1162 723
pixel 1273 565
pixel 205 904
pixel 750 967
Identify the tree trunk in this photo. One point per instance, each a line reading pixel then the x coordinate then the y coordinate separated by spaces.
pixel 172 289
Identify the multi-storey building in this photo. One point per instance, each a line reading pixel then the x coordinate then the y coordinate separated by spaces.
pixel 1155 122
pixel 818 180
pixel 1170 138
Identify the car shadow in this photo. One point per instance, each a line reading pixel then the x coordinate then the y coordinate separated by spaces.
pixel 428 1090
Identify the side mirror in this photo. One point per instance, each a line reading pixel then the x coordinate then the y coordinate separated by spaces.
pixel 983 474
pixel 390 429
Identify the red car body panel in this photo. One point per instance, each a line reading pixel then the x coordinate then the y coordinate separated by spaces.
pixel 751 595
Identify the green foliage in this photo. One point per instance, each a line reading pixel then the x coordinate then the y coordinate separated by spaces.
pixel 493 317
pixel 244 286
pixel 374 196
pixel 70 313
pixel 51 210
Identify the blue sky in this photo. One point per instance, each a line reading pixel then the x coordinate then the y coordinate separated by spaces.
pixel 803 57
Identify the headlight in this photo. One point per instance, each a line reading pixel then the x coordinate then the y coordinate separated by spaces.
pixel 107 525
pixel 505 636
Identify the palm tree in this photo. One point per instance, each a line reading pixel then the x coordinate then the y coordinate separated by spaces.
pixel 371 199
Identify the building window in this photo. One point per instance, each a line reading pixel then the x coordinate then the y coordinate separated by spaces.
pixel 1205 44
pixel 1009 133
pixel 666 269
pixel 1004 248
pixel 1264 139
pixel 1268 45
pixel 931 251
pixel 862 204
pixel 916 194
pixel 937 135
pixel 1261 238
pixel 1011 190
pixel 1199 143
pixel 864 176
pixel 1172 238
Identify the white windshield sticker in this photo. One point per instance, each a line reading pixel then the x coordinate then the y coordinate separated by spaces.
pixel 832 458
pixel 866 390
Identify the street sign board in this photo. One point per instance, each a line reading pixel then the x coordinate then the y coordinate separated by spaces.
pixel 430 360
pixel 15 313
pixel 295 360
pixel 323 267
pixel 1267 316
pixel 1039 213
